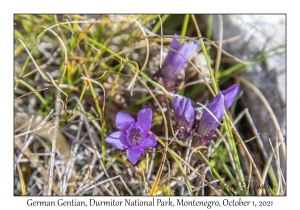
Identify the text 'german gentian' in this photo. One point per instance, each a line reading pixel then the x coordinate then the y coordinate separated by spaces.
pixel 133 136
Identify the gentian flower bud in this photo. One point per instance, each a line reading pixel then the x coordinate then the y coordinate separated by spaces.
pixel 184 116
pixel 207 123
pixel 170 71
pixel 133 136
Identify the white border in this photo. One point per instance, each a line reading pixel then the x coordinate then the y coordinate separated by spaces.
pixel 8 8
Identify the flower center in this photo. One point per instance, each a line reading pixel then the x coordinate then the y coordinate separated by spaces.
pixel 135 135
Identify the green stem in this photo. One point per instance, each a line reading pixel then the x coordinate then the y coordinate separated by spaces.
pixel 209 30
pixel 184 27
pixel 215 173
pixel 233 150
pixel 112 92
pixel 157 25
pixel 24 66
pixel 33 90
pixel 227 170
pixel 213 81
pixel 124 61
pixel 101 116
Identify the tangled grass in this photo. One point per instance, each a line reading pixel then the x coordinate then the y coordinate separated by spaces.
pixel 73 73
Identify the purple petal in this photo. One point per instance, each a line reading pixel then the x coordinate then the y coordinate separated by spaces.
pixel 189 113
pixel 150 141
pixel 134 154
pixel 184 112
pixel 178 61
pixel 144 119
pixel 117 139
pixel 123 121
pixel 175 104
pixel 172 72
pixel 192 47
pixel 181 108
pixel 207 122
pixel 171 53
pixel 178 108
pixel 230 94
pixel 181 57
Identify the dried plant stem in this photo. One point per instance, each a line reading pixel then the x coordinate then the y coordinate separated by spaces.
pixel 161 40
pixel 147 43
pixel 175 155
pixel 279 172
pixel 21 177
pixel 101 113
pixel 269 109
pixel 156 181
pixel 96 150
pixel 35 161
pixel 260 143
pixel 218 58
pixel 53 150
pixel 34 61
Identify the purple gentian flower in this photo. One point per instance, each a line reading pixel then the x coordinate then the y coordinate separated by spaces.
pixel 207 124
pixel 170 71
pixel 133 136
pixel 229 95
pixel 184 116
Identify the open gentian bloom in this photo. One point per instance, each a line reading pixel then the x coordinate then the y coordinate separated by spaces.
pixel 133 136
pixel 177 57
pixel 184 116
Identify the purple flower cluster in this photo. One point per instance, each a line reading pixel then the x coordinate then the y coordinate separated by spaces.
pixel 171 72
pixel 205 131
pixel 133 136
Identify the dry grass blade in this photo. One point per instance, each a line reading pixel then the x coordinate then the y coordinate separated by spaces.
pixel 100 85
pixel 55 85
pixel 161 41
pixel 279 172
pixel 264 173
pixel 34 160
pixel 96 150
pixel 147 43
pixel 218 59
pixel 154 186
pixel 271 113
pixel 24 125
pixel 21 177
pixel 39 127
pixel 53 150
pixel 34 61
pixel 47 186
pixel 65 52
pixel 29 93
